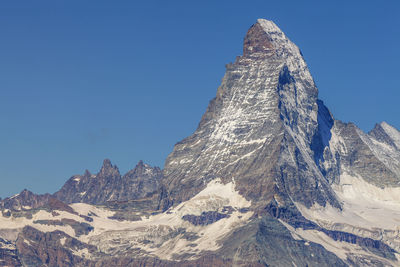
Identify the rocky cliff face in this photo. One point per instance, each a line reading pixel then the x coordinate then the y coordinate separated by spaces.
pixel 269 178
pixel 108 185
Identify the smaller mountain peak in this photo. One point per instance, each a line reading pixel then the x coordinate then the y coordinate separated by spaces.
pixel 392 132
pixel 140 163
pixel 385 133
pixel 140 166
pixel 108 168
pixel 386 127
pixel 87 173
pixel 25 193
pixel 107 163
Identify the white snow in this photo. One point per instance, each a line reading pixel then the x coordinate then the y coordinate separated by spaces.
pixel 110 234
pixel 26 241
pixel 62 241
pixel 393 133
pixel 9 234
pixel 12 223
pixel 216 195
pixel 364 205
pixel 367 211
pixel 337 143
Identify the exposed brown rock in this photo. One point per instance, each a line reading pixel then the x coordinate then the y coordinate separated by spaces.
pixel 257 41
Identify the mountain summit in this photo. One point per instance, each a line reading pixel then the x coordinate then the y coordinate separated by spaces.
pixel 269 178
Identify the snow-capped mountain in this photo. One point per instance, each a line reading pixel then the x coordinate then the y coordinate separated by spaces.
pixel 269 178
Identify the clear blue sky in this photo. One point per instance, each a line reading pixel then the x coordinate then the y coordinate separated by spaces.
pixel 81 81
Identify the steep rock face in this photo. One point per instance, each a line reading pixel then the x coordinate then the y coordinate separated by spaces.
pixel 36 248
pixel 258 130
pixel 109 185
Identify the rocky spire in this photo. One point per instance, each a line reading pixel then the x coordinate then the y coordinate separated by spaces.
pixel 108 169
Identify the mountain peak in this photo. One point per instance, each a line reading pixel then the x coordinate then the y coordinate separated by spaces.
pixel 140 163
pixel 87 173
pixel 108 169
pixel 391 132
pixel 257 39
pixel 107 163
pixel 267 98
pixel 268 25
pixel 265 37
pixel 266 40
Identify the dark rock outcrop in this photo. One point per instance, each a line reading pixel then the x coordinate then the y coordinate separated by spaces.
pixel 206 217
pixel 79 227
pixel 36 248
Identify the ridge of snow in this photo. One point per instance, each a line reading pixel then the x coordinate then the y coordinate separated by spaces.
pixel 393 133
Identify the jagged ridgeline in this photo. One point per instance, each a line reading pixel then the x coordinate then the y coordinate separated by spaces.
pixel 269 178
